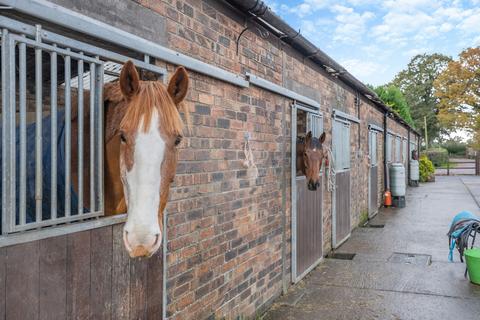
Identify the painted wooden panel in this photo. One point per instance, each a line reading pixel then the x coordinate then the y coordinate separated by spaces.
pixel 53 278
pixel 78 275
pixel 120 277
pixel 138 288
pixel 155 286
pixel 3 259
pixel 309 226
pixel 101 273
pixel 373 197
pixel 342 206
pixel 83 275
pixel 22 281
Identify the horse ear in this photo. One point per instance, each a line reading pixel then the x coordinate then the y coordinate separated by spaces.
pixel 129 80
pixel 178 85
pixel 308 138
pixel 322 137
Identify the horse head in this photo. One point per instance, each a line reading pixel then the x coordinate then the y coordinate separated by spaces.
pixel 312 158
pixel 149 128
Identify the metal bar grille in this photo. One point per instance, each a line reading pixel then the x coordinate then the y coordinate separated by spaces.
pixel 5 103
pixel 52 99
pixel 38 129
pixel 315 124
pixel 53 110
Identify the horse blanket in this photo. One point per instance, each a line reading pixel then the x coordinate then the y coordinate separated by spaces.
pixel 47 169
pixel 465 225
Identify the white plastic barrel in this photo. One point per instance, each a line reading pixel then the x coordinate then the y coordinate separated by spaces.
pixel 414 170
pixel 397 180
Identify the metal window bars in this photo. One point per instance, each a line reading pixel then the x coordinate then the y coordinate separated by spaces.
pixel 72 68
pixel 315 124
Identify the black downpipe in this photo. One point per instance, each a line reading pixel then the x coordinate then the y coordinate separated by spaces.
pixel 408 156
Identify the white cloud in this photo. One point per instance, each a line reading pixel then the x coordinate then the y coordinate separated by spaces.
pixel 315 30
pixel 446 27
pixel 362 69
pixel 471 23
pixel 397 24
pixel 351 25
pixel 307 7
pixel 410 5
pixel 341 9
pixel 361 3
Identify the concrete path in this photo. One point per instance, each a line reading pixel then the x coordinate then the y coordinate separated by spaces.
pixel 375 285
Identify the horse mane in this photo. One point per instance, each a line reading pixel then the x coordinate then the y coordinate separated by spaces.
pixel 151 96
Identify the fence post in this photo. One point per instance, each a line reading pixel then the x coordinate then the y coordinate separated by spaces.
pixel 477 163
pixel 448 164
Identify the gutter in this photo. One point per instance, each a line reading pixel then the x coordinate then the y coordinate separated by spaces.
pixel 258 11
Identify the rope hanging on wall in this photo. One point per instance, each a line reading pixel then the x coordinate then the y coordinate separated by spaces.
pixel 249 163
pixel 330 170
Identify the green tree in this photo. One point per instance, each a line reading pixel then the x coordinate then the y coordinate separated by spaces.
pixel 416 84
pixel 393 97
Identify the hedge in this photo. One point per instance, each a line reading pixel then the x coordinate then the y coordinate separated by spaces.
pixel 426 169
pixel 438 156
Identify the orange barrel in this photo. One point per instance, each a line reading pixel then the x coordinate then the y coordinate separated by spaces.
pixel 388 198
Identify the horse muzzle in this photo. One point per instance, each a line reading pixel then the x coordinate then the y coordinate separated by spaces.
pixel 141 245
pixel 312 186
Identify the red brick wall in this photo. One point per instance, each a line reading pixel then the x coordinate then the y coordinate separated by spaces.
pixel 225 229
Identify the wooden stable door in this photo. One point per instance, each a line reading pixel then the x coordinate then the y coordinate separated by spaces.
pixel 373 174
pixel 306 204
pixel 309 227
pixel 341 153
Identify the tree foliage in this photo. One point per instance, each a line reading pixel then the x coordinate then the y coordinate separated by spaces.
pixel 416 84
pixel 458 91
pixel 393 97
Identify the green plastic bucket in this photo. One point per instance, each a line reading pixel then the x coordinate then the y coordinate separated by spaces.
pixel 472 257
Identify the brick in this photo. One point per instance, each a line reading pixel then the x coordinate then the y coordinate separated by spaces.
pixel 230 255
pixel 217 176
pixel 223 123
pixel 188 10
pixel 224 41
pixel 242 116
pixel 202 109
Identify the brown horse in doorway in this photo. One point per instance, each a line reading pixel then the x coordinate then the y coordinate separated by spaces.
pixel 309 157
pixel 143 127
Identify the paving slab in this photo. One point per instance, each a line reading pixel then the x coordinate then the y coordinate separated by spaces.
pixel 375 285
pixel 344 303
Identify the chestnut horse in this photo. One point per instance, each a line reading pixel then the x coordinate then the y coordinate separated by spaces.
pixel 310 156
pixel 142 130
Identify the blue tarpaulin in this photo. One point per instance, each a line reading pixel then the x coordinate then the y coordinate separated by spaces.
pixel 46 170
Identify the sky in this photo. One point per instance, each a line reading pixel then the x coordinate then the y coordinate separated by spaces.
pixel 374 40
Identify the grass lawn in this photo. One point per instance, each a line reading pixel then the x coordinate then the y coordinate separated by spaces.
pixel 445 165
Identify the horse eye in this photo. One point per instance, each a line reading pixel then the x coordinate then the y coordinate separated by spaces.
pixel 178 140
pixel 123 138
